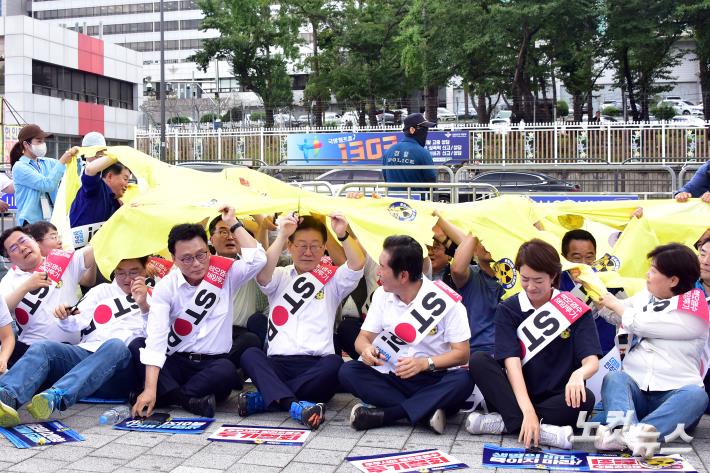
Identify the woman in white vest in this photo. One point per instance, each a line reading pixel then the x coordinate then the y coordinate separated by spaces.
pixel 661 379
pixel 541 360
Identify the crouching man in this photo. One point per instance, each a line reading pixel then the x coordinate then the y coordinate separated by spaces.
pixel 190 324
pixel 412 342
pixel 108 318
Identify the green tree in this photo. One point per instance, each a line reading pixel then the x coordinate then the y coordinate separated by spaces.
pixel 697 13
pixel 256 39
pixel 641 34
pixel 423 40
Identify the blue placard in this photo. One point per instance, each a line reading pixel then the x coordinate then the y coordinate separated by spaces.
pixel 10 199
pixel 369 148
pixel 194 425
pixel 500 457
pixel 40 433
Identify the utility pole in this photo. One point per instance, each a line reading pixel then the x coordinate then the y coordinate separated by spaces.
pixel 162 83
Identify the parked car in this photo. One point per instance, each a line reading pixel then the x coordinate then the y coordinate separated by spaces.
pixel 330 118
pixel 337 178
pixel 285 120
pixel 682 107
pixel 697 110
pixel 688 121
pixel 523 181
pixel 349 118
pixel 385 118
pixel 444 115
pixel 304 120
pixel 500 125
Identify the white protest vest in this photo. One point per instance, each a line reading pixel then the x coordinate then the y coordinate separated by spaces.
pixel 548 322
pixel 282 327
pixel 434 300
pixel 109 311
pixel 56 262
pixel 694 303
pixel 82 235
pixel 185 327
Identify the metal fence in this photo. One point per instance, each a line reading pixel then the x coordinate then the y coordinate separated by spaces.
pixel 555 143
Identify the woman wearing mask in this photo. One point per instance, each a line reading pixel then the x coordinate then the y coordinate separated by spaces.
pixel 36 177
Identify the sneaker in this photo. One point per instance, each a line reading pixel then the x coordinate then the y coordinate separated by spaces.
pixel 250 402
pixel 437 421
pixel 642 440
pixel 556 436
pixel 8 413
pixel 608 440
pixel 44 403
pixel 477 423
pixel 307 413
pixel 202 406
pixel 364 417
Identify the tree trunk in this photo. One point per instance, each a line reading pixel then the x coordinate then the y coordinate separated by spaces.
pixel 361 115
pixel 316 72
pixel 523 102
pixel 465 100
pixel 630 85
pixel 269 116
pixel 590 111
pixel 577 106
pixel 482 109
pixel 431 103
pixel 372 111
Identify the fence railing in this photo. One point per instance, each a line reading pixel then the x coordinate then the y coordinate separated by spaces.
pixel 553 143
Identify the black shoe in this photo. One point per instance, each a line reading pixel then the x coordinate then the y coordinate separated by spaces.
pixel 201 406
pixel 363 417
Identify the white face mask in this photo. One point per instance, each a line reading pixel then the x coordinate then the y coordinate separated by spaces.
pixel 39 150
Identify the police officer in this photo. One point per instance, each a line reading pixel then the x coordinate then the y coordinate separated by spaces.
pixel 410 152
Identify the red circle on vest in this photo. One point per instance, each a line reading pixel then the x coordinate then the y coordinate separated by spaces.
pixel 523 351
pixel 22 316
pixel 102 314
pixel 406 332
pixel 182 327
pixel 280 315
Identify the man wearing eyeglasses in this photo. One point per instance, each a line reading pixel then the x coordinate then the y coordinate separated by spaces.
pixel 35 285
pixel 299 371
pixel 410 151
pixel 108 318
pixel 246 298
pixel 189 331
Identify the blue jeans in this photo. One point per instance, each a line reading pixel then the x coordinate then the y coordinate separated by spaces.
pixel 73 371
pixel 662 409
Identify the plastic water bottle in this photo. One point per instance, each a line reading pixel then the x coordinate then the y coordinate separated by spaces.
pixel 115 415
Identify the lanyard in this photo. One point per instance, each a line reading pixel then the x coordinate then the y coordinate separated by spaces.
pixel 36 165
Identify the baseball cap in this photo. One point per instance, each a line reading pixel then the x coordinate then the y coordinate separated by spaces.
pixel 93 138
pixel 417 119
pixel 31 131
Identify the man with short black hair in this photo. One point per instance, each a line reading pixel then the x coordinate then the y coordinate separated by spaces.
pixel 245 297
pixel 108 318
pixel 189 332
pixel 580 246
pixel 415 332
pixel 35 285
pixel 299 372
pixel 103 183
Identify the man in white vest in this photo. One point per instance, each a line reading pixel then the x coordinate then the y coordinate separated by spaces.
pixel 299 371
pixel 412 344
pixel 35 285
pixel 189 331
pixel 108 318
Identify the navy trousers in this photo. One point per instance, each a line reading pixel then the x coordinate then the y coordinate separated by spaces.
pixel 189 378
pixel 306 378
pixel 420 395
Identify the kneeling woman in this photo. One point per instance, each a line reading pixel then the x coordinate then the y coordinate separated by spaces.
pixel 660 381
pixel 543 378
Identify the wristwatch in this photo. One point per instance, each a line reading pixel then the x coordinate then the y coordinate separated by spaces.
pixel 345 237
pixel 432 366
pixel 234 227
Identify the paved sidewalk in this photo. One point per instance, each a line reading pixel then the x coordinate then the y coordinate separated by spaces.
pixel 109 450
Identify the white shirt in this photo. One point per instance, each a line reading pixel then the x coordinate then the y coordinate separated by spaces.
pixel 5 317
pixel 315 321
pixel 105 313
pixel 370 274
pixel 668 355
pixel 387 311
pixel 4 182
pixel 214 333
pixel 245 303
pixel 42 324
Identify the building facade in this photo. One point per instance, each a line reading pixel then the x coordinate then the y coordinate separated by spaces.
pixel 67 83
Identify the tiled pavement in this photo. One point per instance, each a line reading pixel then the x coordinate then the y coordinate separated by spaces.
pixel 108 450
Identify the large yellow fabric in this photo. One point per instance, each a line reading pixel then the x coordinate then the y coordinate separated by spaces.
pixel 166 195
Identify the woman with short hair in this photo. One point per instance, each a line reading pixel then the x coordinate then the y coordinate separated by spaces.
pixel 522 389
pixel 660 381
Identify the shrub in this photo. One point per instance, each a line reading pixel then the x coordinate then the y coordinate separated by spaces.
pixel 664 112
pixel 562 108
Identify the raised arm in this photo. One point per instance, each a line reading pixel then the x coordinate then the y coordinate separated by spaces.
pixel 287 225
pixel 353 251
pixel 98 165
pixel 460 266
